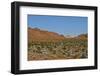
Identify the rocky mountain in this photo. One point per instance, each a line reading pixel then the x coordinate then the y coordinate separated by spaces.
pixel 35 34
pixel 82 36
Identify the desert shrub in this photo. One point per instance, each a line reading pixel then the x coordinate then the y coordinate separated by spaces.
pixel 69 48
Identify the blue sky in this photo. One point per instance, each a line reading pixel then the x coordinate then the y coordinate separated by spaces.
pixel 66 25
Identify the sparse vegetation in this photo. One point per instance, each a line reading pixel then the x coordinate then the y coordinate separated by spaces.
pixel 45 45
pixel 69 48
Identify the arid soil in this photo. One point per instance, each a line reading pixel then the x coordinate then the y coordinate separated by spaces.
pixel 45 45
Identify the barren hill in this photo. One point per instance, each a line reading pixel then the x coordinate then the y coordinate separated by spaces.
pixel 82 36
pixel 35 34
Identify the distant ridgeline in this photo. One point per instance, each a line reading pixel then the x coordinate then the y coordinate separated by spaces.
pixel 36 34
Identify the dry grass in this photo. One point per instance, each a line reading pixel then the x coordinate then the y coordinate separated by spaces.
pixel 64 49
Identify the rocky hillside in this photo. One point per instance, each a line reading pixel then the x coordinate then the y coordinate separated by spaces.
pixel 82 36
pixel 38 34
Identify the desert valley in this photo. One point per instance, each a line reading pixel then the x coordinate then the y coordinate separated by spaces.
pixel 47 45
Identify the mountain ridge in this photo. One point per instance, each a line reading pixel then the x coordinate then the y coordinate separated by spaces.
pixel 38 34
